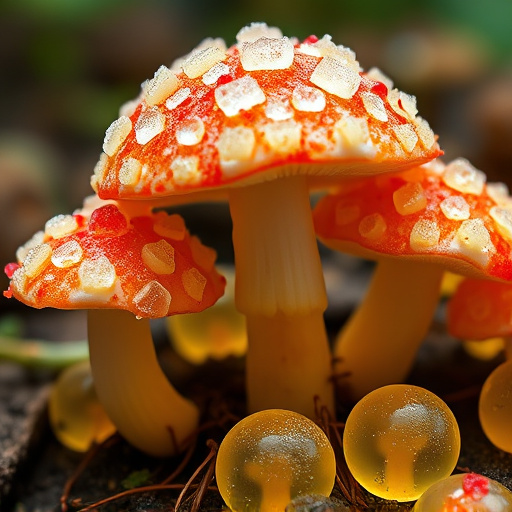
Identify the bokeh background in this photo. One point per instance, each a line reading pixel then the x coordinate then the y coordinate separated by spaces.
pixel 67 65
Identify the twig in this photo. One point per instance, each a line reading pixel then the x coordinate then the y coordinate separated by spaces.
pixel 211 455
pixel 80 469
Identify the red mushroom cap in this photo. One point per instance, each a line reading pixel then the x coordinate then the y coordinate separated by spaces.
pixel 480 309
pixel 442 214
pixel 267 104
pixel 147 264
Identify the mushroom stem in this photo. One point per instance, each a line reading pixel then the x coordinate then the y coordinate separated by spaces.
pixel 378 344
pixel 279 287
pixel 131 386
pixel 507 341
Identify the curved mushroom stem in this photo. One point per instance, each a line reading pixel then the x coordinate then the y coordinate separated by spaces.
pixel 378 344
pixel 131 386
pixel 279 287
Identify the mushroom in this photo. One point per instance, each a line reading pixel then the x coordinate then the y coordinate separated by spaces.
pixel 125 267
pixel 416 224
pixel 262 120
pixel 480 310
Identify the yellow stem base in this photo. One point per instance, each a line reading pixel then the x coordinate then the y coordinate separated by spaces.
pixel 378 345
pixel 132 388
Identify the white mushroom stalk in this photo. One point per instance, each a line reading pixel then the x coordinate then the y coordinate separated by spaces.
pixel 280 289
pixel 416 224
pixel 379 343
pixel 139 399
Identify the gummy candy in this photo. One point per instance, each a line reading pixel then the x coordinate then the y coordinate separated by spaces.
pixel 272 457
pixel 399 440
pixel 216 333
pixel 76 417
pixel 495 407
pixel 466 492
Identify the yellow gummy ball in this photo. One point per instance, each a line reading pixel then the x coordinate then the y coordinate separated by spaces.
pixel 465 492
pixel 399 440
pixel 76 417
pixel 272 457
pixel 495 407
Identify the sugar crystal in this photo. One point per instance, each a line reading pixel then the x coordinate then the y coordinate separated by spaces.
pixel 267 54
pixel 67 255
pixel 116 134
pixel 97 275
pixel 241 94
pixel 336 78
pixel 151 123
pixel 194 283
pixel 159 257
pixel 152 300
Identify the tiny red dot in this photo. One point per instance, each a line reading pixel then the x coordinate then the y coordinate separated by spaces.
pixel 380 89
pixel 311 39
pixel 10 268
pixel 224 79
pixel 475 486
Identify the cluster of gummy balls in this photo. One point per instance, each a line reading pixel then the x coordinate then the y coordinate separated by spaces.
pixel 401 442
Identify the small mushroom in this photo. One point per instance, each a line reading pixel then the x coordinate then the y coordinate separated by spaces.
pixel 263 120
pixel 126 267
pixel 416 224
pixel 480 310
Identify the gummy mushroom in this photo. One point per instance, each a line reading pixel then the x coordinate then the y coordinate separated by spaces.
pixel 480 310
pixel 125 268
pixel 260 120
pixel 416 224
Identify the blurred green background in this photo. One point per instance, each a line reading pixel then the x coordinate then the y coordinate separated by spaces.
pixel 67 65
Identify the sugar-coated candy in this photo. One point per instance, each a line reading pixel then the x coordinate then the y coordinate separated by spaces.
pixel 467 492
pixel 399 440
pixel 272 457
pixel 76 417
pixel 495 407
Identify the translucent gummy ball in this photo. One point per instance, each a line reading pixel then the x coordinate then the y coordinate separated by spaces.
pixel 272 457
pixel 467 492
pixel 76 417
pixel 399 440
pixel 495 407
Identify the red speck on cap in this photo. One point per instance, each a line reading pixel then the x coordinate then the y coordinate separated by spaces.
pixel 10 268
pixel 80 220
pixel 475 486
pixel 224 79
pixel 107 221
pixel 312 39
pixel 380 89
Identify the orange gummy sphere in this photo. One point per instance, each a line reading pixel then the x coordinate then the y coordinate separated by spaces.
pixel 272 457
pixel 76 417
pixel 399 440
pixel 466 492
pixel 495 407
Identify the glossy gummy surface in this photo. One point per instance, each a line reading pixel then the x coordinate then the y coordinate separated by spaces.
pixel 495 407
pixel 466 492
pixel 272 457
pixel 399 440
pixel 76 417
